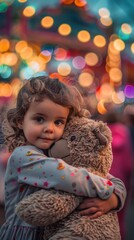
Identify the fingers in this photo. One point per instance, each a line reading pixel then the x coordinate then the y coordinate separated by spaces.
pixel 88 203
pixel 92 214
pixel 96 215
pixel 89 211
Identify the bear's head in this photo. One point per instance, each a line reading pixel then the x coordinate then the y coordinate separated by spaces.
pixel 85 143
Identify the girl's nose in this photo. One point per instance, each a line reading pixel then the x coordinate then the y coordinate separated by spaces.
pixel 49 127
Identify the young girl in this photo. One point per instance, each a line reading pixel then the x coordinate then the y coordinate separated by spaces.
pixel 43 107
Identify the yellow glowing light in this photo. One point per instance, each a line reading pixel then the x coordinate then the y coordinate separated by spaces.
pixel 83 36
pixel 37 63
pixel 20 45
pixel 99 41
pixel 91 59
pixel 16 85
pixel 9 59
pixel 119 45
pixel 28 11
pixel 106 91
pixel 112 50
pixel 22 1
pixel 80 3
pixel 106 21
pixel 114 63
pixel 47 22
pixel 101 108
pixel 4 45
pixel 85 79
pixel 64 29
pixel 115 74
pixel 26 53
pixel 132 47
pixel 5 90
pixel 104 12
pixel 113 54
pixel 118 98
pixel 64 69
pixel 126 28
pixel 46 55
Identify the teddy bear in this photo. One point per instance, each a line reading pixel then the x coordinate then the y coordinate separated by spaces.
pixel 85 143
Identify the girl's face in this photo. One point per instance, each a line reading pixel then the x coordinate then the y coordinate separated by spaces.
pixel 44 123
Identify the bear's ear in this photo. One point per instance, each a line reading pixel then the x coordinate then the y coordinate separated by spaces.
pixel 59 149
pixel 100 136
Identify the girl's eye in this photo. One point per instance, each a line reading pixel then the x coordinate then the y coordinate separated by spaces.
pixel 39 119
pixel 59 122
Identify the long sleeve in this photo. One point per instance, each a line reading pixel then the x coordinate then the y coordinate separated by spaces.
pixel 119 190
pixel 35 169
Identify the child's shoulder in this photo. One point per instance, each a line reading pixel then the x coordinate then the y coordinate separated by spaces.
pixel 24 150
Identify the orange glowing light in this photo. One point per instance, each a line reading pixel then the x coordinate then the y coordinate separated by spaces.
pixel 91 59
pixel 28 11
pixel 5 90
pixel 64 29
pixel 85 79
pixel 64 69
pixel 47 22
pixel 80 3
pixel 20 45
pixel 101 108
pixel 4 45
pixel 99 41
pixel 67 2
pixel 119 45
pixel 83 36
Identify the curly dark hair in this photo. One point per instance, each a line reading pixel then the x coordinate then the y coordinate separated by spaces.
pixel 37 89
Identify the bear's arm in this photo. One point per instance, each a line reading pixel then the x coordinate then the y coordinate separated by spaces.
pixel 45 207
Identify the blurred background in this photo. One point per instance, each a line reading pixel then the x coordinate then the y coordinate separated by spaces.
pixel 86 43
pixel 89 43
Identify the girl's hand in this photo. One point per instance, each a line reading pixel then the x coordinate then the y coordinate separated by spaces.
pixel 96 207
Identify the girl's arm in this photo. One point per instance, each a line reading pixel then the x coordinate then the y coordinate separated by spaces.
pixel 95 207
pixel 37 205
pixel 35 169
pixel 119 190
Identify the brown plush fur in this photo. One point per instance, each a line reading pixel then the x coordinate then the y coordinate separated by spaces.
pixel 87 144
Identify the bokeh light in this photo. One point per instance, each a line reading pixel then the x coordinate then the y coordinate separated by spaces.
pixel 91 59
pixel 83 36
pixel 47 22
pixel 126 28
pixel 118 97
pixel 119 44
pixel 129 91
pixel 64 69
pixel 46 55
pixel 101 107
pixel 78 62
pixel 104 12
pixel 29 11
pixel 80 3
pixel 115 74
pixel 99 41
pixel 60 54
pixel 4 45
pixel 64 29
pixel 85 79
